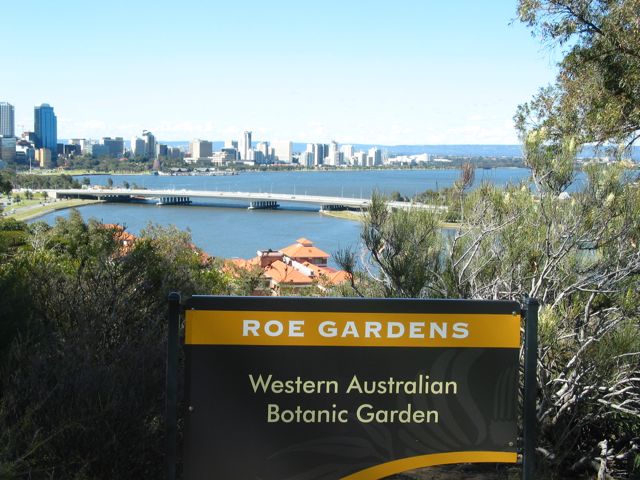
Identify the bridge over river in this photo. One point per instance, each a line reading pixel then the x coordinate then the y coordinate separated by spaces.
pixel 256 200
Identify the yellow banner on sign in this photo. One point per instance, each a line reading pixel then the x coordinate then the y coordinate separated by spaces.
pixel 351 329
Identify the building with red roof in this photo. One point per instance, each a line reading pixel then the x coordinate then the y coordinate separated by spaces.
pixel 300 265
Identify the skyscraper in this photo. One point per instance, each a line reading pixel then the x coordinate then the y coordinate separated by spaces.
pixel 334 156
pixel 347 153
pixel 201 149
pixel 150 144
pixel 319 153
pixel 115 146
pixel 245 146
pixel 137 146
pixel 7 148
pixel 46 128
pixel 374 158
pixel 7 121
pixel 283 151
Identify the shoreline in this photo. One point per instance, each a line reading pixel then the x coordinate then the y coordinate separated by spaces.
pixel 79 173
pixel 357 217
pixel 28 214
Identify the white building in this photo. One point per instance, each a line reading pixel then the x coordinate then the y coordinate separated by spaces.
pixel 374 158
pixel 359 158
pixel 306 159
pixel 201 149
pixel 347 153
pixel 245 146
pixel 318 154
pixel 283 151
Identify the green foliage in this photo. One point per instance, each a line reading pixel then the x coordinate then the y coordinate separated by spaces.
pixel 38 182
pixel 108 164
pixel 405 246
pixel 578 255
pixel 587 261
pixel 12 235
pixel 82 335
pixel 448 197
pixel 595 98
pixel 5 184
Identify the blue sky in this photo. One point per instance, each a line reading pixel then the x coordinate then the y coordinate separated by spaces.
pixel 401 72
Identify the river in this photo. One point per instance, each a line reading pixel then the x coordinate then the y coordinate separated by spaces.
pixel 230 230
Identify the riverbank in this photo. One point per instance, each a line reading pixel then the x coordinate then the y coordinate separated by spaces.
pixel 79 172
pixel 30 212
pixel 357 217
pixel 345 214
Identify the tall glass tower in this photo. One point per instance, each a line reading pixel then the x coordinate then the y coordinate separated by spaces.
pixel 46 128
pixel 7 122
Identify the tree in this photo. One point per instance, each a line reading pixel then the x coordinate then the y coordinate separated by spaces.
pixel 596 97
pixel 109 182
pixel 5 184
pixel 578 254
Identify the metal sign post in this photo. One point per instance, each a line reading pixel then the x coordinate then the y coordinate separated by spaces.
pixel 171 405
pixel 530 427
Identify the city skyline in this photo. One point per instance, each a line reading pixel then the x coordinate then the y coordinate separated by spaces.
pixel 407 73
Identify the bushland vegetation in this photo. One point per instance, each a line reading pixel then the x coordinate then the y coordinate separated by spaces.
pixel 577 253
pixel 82 341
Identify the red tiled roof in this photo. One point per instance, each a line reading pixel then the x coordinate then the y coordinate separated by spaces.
pixel 304 248
pixel 120 235
pixel 328 274
pixel 280 272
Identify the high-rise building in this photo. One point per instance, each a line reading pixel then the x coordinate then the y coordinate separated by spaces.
pixel 174 152
pixel 7 120
pixel 137 146
pixel 347 153
pixel 318 153
pixel 306 158
pixel 245 146
pixel 7 148
pixel 162 150
pixel 201 149
pixel 114 146
pixel 46 127
pixel 360 158
pixel 283 151
pixel 334 156
pixel 149 144
pixel 374 158
pixel 265 153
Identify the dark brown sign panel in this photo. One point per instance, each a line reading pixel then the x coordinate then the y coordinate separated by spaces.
pixel 316 388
